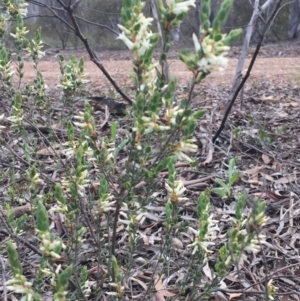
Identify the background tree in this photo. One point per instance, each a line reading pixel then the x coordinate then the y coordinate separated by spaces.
pixel 99 19
pixel 294 18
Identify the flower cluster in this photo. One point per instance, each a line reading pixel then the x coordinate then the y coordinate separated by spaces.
pixel 105 202
pixel 17 113
pixel 206 224
pixel 34 49
pixel 73 76
pixel 80 180
pixel 176 191
pixel 174 12
pixel 210 54
pixel 87 123
pixel 187 145
pixel 203 242
pixel 272 289
pixel 20 285
pixel 15 9
pixel 240 242
pixel 50 245
pixel 141 41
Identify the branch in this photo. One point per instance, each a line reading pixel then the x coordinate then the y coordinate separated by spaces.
pixel 76 29
pixel 53 12
pixel 91 52
pixel 77 17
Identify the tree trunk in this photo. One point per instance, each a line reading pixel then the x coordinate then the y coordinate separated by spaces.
pixel 197 17
pixel 294 19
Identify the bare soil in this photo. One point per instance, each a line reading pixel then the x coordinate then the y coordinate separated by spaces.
pixel 276 63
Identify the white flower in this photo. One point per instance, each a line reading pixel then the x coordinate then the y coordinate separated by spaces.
pixel 145 45
pixel 181 156
pixel 204 242
pixel 203 65
pixel 196 43
pixel 127 42
pixel 272 289
pixel 181 7
pixel 188 146
pixel 145 23
pixel 176 191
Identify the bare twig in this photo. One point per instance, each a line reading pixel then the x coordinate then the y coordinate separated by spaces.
pixel 76 29
pixel 21 240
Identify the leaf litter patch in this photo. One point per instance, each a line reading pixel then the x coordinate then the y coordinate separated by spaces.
pixel 262 132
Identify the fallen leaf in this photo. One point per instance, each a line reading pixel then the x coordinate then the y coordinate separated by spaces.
pixel 231 296
pixel 210 152
pixel 207 271
pixel 177 243
pixel 282 180
pixel 159 287
pixel 270 194
pixel 266 159
pixel 141 283
pixel 159 297
pixel 219 296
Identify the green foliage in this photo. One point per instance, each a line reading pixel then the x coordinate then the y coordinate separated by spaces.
pixel 14 259
pixel 225 191
pixel 42 218
pixel 96 193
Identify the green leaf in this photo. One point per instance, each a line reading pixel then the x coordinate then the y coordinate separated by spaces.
pixel 217 37
pixel 220 192
pixel 199 114
pixel 172 85
pixel 83 275
pixel 240 204
pixel 221 183
pixel 81 65
pixel 231 167
pixel 203 202
pixel 119 147
pixel 206 25
pixel 71 132
pixel 42 218
pixel 162 165
pixel 154 102
pixel 232 36
pixel 234 178
pixel 216 25
pixel 163 57
pixel 103 187
pixel 223 13
pixel 64 277
pixel 113 130
pixel 190 128
pixel 59 194
pixel 205 9
pixel 115 267
pixel 13 257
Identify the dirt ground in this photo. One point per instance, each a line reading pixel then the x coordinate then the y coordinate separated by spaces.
pixel 278 64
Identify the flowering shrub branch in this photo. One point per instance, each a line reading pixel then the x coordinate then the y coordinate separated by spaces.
pixel 162 135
